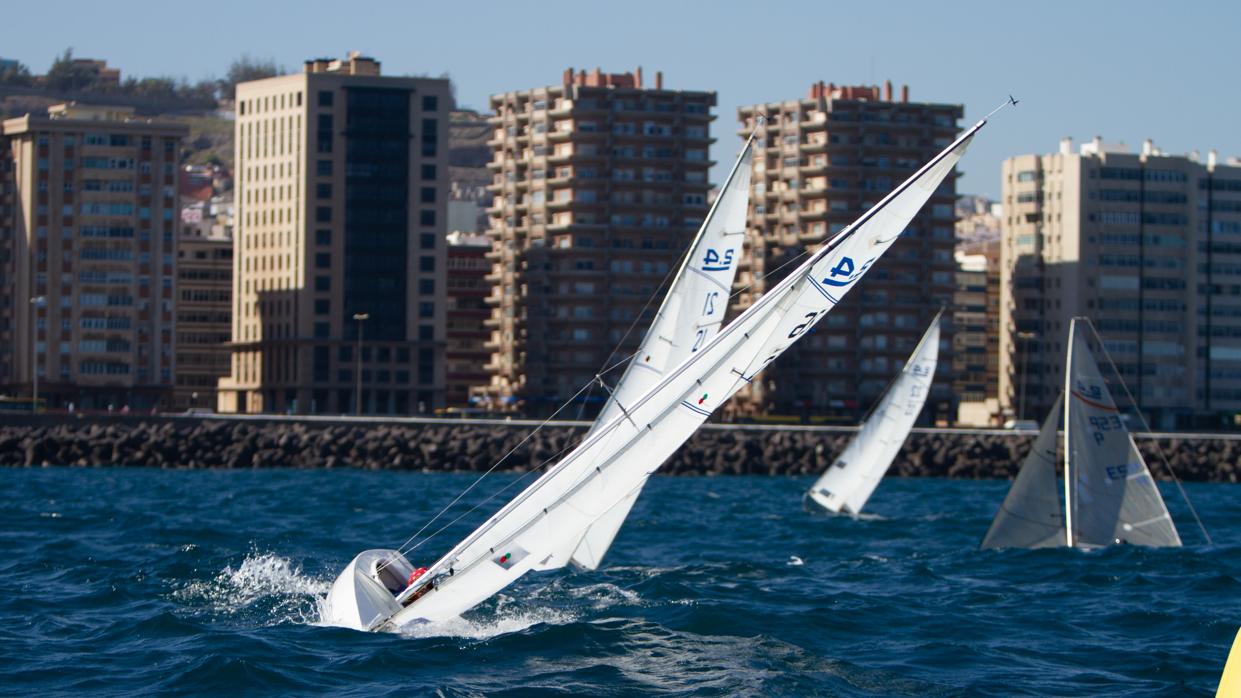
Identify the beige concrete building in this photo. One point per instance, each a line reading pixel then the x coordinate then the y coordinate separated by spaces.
pixel 91 243
pixel 341 183
pixel 600 183
pixel 975 334
pixel 1148 245
pixel 204 314
pixel 824 161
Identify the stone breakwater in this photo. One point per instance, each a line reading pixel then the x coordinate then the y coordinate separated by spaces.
pixel 455 446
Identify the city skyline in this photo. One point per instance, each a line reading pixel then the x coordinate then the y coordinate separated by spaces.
pixel 1098 71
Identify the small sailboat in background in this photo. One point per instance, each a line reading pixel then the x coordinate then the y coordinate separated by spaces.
pixel 543 527
pixel 856 472
pixel 1109 494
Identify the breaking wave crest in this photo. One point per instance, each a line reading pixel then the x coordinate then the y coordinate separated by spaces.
pixel 265 588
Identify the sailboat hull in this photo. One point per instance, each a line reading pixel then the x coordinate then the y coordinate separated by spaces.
pixel 823 502
pixel 365 592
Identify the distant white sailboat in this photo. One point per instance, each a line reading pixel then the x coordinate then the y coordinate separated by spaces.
pixel 544 526
pixel 1109 494
pixel 856 472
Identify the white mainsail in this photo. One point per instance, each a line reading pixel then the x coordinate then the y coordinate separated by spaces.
pixel 689 317
pixel 856 472
pixel 1112 496
pixel 1031 515
pixel 541 527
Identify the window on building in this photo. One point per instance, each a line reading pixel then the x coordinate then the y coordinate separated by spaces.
pixel 323 214
pixel 426 241
pixel 325 98
pixel 323 190
pixel 426 263
pixel 427 195
pixel 426 218
pixel 426 287
pixel 428 171
pixel 430 103
pixel 323 168
pixel 323 237
pixel 323 283
pixel 323 260
pixel 323 306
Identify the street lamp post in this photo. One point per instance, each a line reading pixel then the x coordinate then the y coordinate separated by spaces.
pixel 35 303
pixel 360 317
pixel 1025 338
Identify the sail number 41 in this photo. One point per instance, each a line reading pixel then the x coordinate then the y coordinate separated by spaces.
pixel 846 272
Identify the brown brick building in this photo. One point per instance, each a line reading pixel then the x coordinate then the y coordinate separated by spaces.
pixel 822 162
pixel 600 182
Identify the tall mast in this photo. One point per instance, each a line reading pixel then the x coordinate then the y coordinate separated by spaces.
pixel 1068 405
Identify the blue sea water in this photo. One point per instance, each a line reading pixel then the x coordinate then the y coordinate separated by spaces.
pixel 122 581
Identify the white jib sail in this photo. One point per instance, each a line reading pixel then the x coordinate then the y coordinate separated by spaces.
pixel 1112 494
pixel 542 526
pixel 856 472
pixel 689 317
pixel 1032 515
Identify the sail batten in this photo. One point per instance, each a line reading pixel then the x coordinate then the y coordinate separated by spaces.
pixel 535 530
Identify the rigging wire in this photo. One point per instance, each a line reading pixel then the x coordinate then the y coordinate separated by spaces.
pixel 406 547
pixel 588 387
pixel 1146 426
pixel 623 361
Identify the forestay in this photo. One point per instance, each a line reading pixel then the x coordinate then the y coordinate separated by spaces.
pixel 541 527
pixel 855 474
pixel 1031 515
pixel 1111 494
pixel 689 317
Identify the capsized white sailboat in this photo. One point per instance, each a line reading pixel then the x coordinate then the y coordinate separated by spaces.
pixel 541 528
pixel 856 472
pixel 1109 494
pixel 691 314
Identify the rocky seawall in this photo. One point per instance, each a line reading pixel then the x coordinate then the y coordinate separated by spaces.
pixel 430 445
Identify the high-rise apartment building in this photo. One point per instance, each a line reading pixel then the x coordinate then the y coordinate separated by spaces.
pixel 1147 245
pixel 341 181
pixel 204 313
pixel 91 240
pixel 600 183
pixel 820 163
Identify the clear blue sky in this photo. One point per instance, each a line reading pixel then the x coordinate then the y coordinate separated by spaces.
pixel 1123 70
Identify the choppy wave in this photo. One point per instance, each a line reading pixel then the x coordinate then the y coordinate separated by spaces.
pixel 212 582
